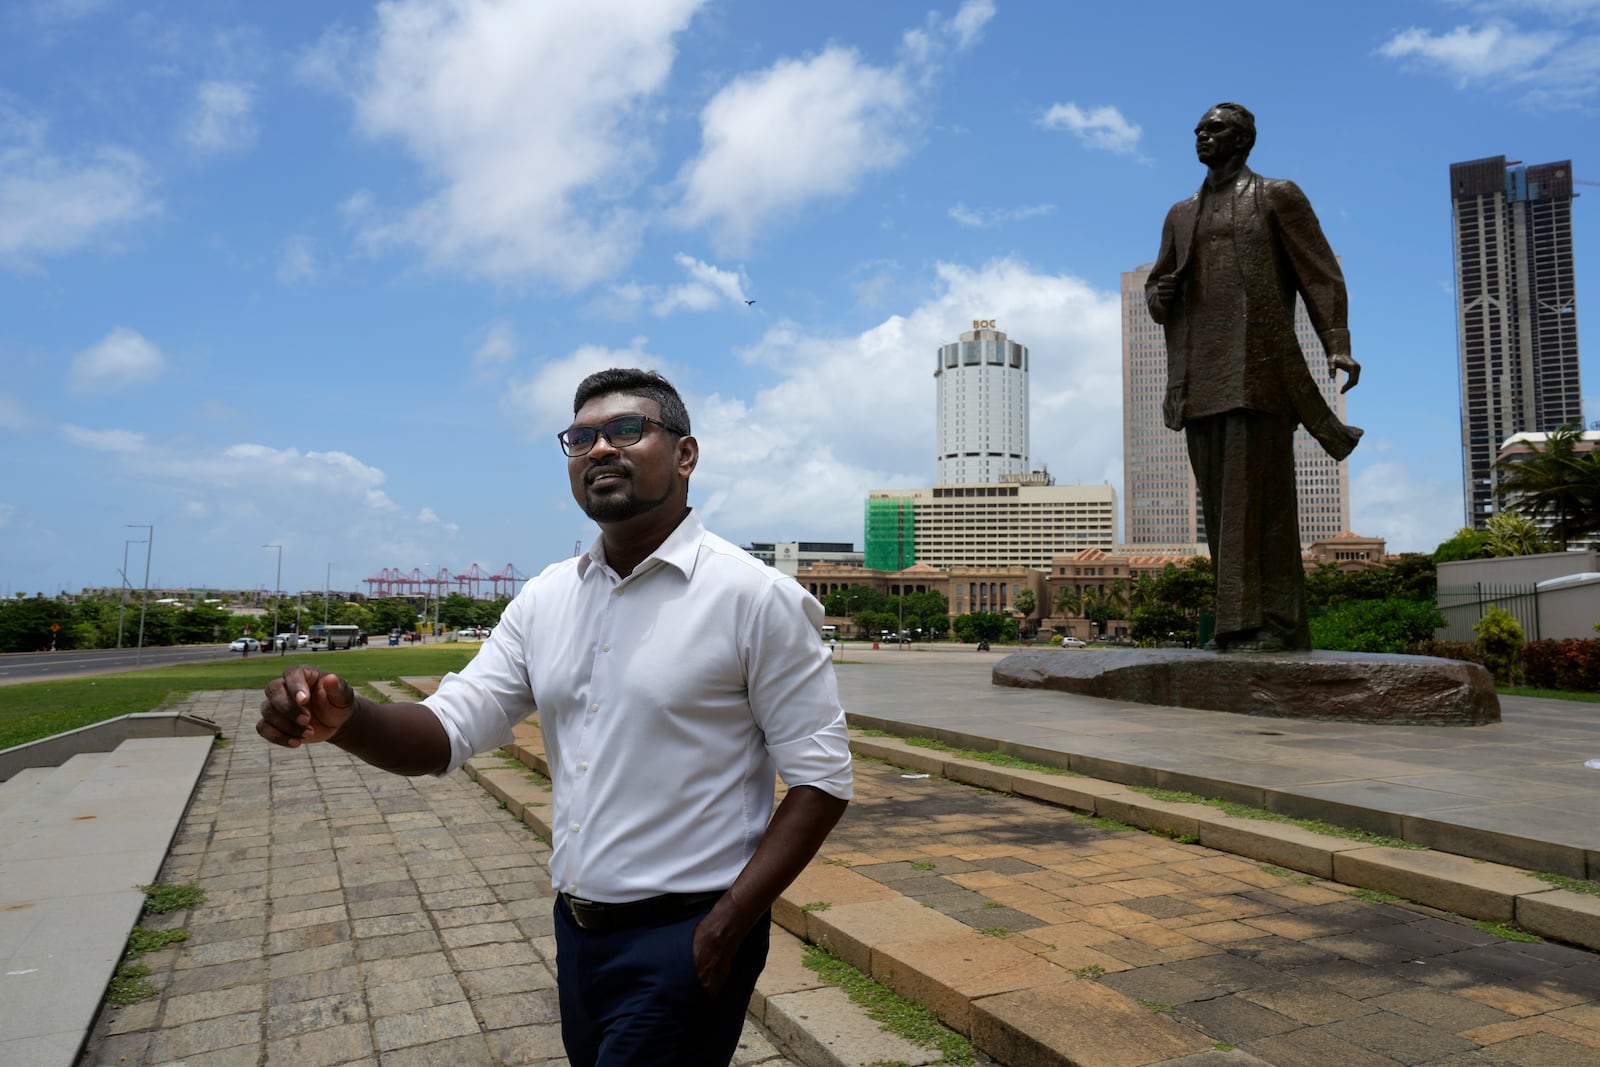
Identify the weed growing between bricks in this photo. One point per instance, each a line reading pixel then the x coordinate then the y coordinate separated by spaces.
pixel 131 983
pixel 894 1013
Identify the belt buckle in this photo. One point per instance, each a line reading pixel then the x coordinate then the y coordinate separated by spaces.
pixel 575 907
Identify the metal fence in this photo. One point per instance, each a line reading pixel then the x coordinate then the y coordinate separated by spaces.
pixel 1462 606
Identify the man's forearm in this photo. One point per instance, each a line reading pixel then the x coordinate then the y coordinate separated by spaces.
pixel 797 830
pixel 401 738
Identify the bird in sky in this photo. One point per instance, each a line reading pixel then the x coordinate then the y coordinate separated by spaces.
pixel 747 303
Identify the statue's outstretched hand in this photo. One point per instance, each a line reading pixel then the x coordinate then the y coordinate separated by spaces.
pixel 1345 363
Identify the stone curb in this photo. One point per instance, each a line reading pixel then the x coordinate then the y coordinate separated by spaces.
pixel 1477 889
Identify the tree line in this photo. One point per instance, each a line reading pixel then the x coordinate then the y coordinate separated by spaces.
pixel 37 623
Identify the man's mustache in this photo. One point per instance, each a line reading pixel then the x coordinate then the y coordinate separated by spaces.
pixel 610 468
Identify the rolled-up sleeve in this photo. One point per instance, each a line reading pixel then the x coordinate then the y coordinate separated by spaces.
pixel 793 695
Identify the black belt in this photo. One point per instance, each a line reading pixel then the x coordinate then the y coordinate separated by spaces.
pixel 597 918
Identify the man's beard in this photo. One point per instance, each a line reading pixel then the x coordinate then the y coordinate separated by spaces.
pixel 617 506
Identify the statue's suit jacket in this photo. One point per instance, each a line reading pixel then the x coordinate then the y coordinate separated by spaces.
pixel 1244 354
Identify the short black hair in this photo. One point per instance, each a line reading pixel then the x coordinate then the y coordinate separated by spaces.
pixel 631 381
pixel 1240 117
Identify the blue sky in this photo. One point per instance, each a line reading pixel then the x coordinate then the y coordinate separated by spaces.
pixel 324 275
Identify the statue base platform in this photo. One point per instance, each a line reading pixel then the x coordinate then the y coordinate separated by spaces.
pixel 1330 686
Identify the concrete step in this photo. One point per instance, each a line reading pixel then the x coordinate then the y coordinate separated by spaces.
pixel 77 847
pixel 40 802
pixel 17 786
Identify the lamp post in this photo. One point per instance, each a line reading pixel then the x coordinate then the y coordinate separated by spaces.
pixel 277 594
pixel 123 602
pixel 144 599
pixel 327 582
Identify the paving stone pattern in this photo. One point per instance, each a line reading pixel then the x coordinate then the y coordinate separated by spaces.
pixel 351 917
pixel 1282 966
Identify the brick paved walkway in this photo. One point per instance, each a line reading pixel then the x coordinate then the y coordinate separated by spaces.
pixel 1288 968
pixel 351 916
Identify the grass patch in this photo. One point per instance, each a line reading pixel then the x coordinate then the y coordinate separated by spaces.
pixel 995 931
pixel 163 897
pixel 142 941
pixel 1549 694
pixel 998 759
pixel 894 1013
pixel 1283 872
pixel 1100 822
pixel 1575 885
pixel 924 866
pixel 1508 932
pixel 815 905
pixel 1245 811
pixel 130 985
pixel 33 710
pixel 1377 896
pixel 1091 972
pixel 1155 1007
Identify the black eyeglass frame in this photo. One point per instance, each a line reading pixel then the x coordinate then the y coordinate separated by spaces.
pixel 605 429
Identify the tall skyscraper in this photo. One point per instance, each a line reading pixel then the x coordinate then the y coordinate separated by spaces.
pixel 1161 500
pixel 1516 312
pixel 982 384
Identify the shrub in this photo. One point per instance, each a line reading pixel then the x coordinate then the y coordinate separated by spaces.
pixel 1056 639
pixel 1500 637
pixel 1375 625
pixel 1571 664
pixel 1463 650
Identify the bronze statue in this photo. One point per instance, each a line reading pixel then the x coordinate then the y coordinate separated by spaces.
pixel 1233 258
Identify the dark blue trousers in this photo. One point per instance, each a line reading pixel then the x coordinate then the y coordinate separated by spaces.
pixel 631 998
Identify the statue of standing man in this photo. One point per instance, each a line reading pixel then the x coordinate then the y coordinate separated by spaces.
pixel 1233 258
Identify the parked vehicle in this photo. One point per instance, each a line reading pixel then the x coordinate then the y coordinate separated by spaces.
pixel 336 635
pixel 246 645
pixel 1074 642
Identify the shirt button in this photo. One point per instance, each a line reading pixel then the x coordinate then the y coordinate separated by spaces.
pixel 594 707
pixel 572 887
pixel 584 765
pixel 605 648
pixel 574 827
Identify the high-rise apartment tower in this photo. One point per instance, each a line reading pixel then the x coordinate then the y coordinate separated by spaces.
pixel 1161 501
pixel 982 384
pixel 1516 312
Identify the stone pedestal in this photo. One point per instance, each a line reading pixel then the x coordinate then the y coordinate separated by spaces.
pixel 1332 686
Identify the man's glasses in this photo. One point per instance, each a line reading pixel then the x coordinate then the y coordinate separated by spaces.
pixel 622 431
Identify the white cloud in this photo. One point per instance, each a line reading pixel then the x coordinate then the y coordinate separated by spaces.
pixel 51 205
pixel 983 218
pixel 541 403
pixel 793 133
pixel 496 350
pixel 958 32
pixel 531 122
pixel 125 441
pixel 1102 127
pixel 220 119
pixel 1414 514
pixel 6 511
pixel 1548 53
pixel 298 261
pixel 806 450
pixel 1469 54
pixel 120 359
pixel 708 287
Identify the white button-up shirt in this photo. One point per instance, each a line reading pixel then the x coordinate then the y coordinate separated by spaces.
pixel 668 699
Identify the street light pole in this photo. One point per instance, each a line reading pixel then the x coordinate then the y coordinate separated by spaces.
pixel 144 599
pixel 277 595
pixel 327 582
pixel 122 604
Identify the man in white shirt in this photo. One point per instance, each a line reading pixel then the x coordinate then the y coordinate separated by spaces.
pixel 673 675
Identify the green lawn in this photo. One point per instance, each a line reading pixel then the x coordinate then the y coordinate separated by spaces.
pixel 33 710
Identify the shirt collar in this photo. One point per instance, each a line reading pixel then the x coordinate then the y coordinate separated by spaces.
pixel 681 549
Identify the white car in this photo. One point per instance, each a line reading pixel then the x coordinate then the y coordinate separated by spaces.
pixel 1074 642
pixel 245 644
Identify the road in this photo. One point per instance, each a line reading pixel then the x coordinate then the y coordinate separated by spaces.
pixel 41 666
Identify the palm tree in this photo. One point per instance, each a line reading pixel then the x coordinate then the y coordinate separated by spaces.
pixel 1558 481
pixel 1068 601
